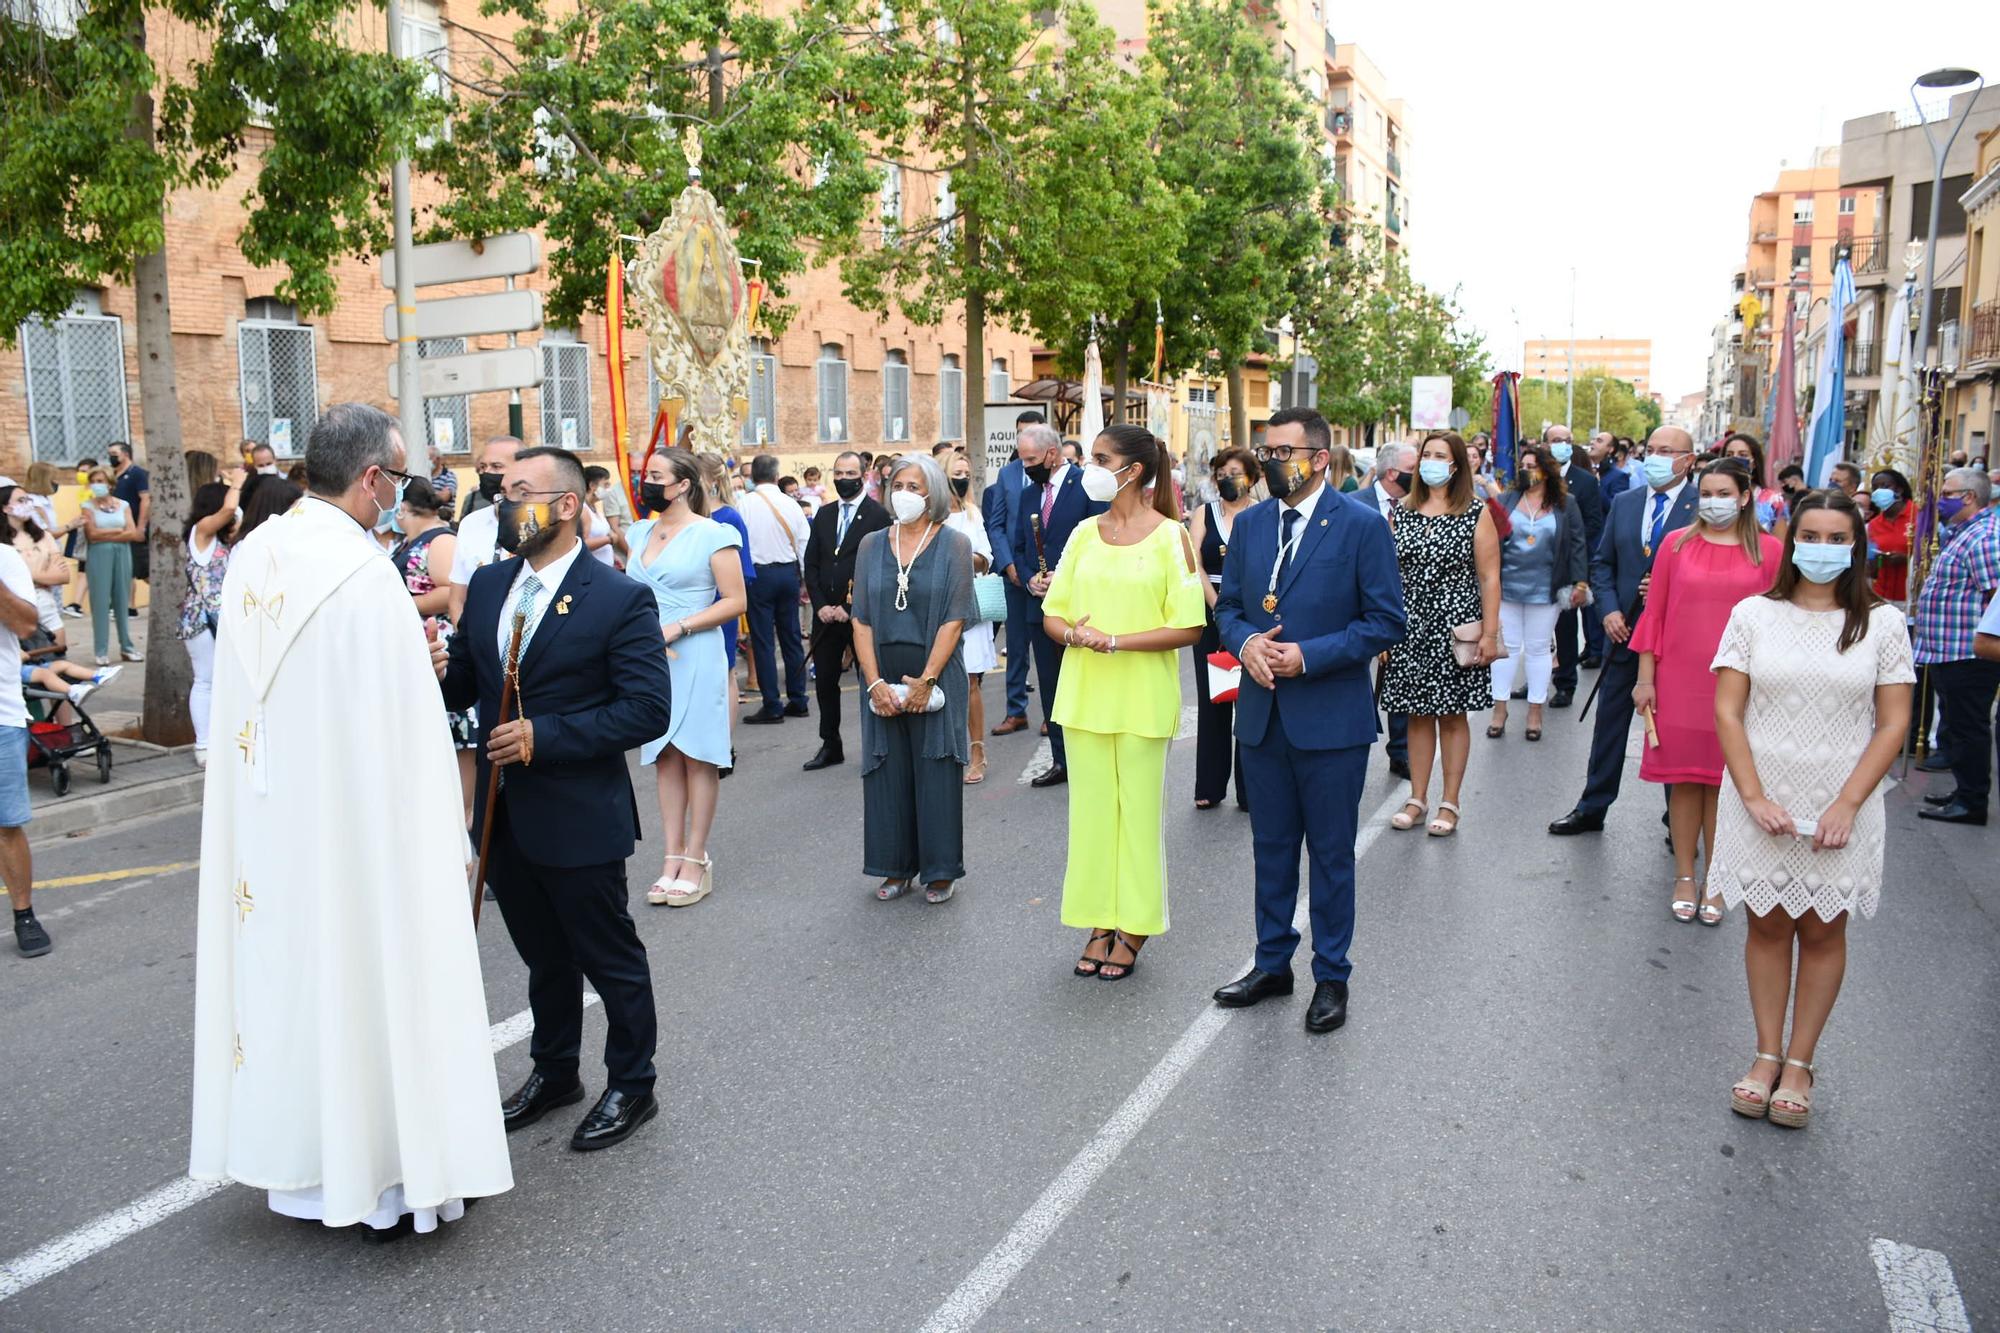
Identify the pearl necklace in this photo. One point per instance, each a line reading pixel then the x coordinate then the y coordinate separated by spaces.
pixel 903 568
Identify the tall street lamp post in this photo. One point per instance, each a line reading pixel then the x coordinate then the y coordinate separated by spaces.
pixel 1938 79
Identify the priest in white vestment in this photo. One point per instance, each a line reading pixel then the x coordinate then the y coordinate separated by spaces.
pixel 342 1055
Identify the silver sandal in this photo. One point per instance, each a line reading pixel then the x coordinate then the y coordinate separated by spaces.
pixel 892 889
pixel 935 896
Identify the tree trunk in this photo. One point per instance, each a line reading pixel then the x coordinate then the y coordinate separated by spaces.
pixel 163 718
pixel 1239 406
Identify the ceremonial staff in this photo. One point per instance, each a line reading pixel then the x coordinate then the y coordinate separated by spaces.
pixel 507 682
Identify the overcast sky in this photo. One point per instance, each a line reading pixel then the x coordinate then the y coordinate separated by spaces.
pixel 1552 135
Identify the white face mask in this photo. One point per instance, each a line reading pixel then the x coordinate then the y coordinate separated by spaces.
pixel 269 469
pixel 1718 511
pixel 907 506
pixel 1101 484
pixel 20 509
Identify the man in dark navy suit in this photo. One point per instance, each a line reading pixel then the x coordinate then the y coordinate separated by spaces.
pixel 998 502
pixel 837 530
pixel 1311 595
pixel 592 684
pixel 1575 622
pixel 1620 573
pixel 1051 506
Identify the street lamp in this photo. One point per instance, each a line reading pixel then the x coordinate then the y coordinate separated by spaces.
pixel 1938 78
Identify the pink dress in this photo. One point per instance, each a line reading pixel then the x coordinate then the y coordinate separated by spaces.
pixel 1695 587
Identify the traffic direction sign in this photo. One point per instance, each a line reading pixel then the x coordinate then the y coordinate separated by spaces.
pixel 469 316
pixel 476 372
pixel 508 255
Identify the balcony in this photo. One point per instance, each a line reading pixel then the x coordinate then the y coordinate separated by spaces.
pixel 1765 236
pixel 1339 123
pixel 1868 254
pixel 1332 47
pixel 1862 359
pixel 1982 336
pixel 1763 278
pixel 1395 165
pixel 1395 223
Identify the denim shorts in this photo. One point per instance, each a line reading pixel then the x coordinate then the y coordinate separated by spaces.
pixel 15 808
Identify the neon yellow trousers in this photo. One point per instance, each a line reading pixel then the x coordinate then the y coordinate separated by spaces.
pixel 1116 878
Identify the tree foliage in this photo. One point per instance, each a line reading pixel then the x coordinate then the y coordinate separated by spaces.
pixel 1625 410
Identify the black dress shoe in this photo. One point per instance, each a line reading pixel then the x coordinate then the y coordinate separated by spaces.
pixel 1947 798
pixel 764 717
pixel 1958 812
pixel 1399 767
pixel 828 756
pixel 797 710
pixel 406 1225
pixel 1936 763
pixel 1591 663
pixel 535 1099
pixel 1055 777
pixel 613 1119
pixel 1577 821
pixel 1561 698
pixel 1328 1009
pixel 1253 986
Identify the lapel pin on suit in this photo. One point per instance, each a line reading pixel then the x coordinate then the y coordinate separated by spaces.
pixel 562 606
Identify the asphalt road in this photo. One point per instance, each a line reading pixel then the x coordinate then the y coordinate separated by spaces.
pixel 893 1116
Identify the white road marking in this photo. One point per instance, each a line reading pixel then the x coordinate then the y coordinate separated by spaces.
pixel 1919 1289
pixel 1044 760
pixel 974 1296
pixel 45 1261
pixel 1187 726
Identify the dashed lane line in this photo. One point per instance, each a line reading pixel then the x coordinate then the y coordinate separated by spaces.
pixel 1919 1289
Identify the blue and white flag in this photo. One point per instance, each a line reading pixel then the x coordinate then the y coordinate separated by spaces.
pixel 1827 433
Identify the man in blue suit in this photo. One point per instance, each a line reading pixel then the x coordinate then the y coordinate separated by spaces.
pixel 1051 506
pixel 1620 573
pixel 1577 621
pixel 1311 595
pixel 998 502
pixel 592 683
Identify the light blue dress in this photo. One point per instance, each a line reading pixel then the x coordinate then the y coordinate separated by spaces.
pixel 684 585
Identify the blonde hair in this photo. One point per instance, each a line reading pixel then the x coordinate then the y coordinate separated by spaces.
pixel 41 477
pixel 1339 467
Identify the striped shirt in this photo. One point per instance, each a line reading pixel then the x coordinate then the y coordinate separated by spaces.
pixel 1956 591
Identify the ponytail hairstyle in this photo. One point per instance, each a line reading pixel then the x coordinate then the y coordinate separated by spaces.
pixel 1135 444
pixel 684 466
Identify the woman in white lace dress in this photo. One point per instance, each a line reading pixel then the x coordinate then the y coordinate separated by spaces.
pixel 1812 701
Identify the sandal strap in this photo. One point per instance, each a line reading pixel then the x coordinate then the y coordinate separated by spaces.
pixel 1799 1064
pixel 1448 805
pixel 1766 1055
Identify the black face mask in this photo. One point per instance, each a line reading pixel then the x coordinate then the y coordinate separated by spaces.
pixel 526 527
pixel 489 484
pixel 1038 473
pixel 960 485
pixel 1393 478
pixel 1232 488
pixel 653 496
pixel 847 487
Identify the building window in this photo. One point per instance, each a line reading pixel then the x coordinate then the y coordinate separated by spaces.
pixel 1847 205
pixel 1801 257
pixel 448 421
pixel 423 39
pixel 831 369
pixel 892 202
pixel 1802 211
pixel 277 377
pixel 896 398
pixel 760 423
pixel 947 210
pixel 951 399
pixel 56 18
pixel 998 387
pixel 565 392
pixel 76 384
pixel 1291 60
pixel 1201 395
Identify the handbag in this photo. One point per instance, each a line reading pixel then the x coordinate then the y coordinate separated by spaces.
pixel 1225 677
pixel 1465 643
pixel 931 705
pixel 989 593
pixel 1574 595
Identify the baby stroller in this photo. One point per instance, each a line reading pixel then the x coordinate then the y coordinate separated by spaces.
pixel 57 744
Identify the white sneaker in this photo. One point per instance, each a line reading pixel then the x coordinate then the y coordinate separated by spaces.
pixel 106 676
pixel 80 691
pixel 104 661
pixel 200 757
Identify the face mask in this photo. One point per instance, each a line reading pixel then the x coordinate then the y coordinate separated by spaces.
pixel 1882 497
pixel 270 471
pixel 1822 562
pixel 21 510
pixel 1101 483
pixel 525 526
pixel 1281 479
pixel 99 490
pixel 1231 487
pixel 489 484
pixel 1435 471
pixel 961 486
pixel 1561 453
pixel 387 522
pixel 847 487
pixel 1948 505
pixel 1718 511
pixel 388 512
pixel 907 506
pixel 653 496
pixel 1038 473
pixel 1660 471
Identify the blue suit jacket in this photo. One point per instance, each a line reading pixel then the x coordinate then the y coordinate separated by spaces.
pixel 1341 601
pixel 594 682
pixel 1621 558
pixel 997 503
pixel 1071 508
pixel 1614 483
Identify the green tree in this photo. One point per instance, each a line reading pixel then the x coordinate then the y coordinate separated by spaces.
pixel 100 131
pixel 1623 410
pixel 575 128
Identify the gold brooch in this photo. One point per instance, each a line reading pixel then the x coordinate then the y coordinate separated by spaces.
pixel 562 607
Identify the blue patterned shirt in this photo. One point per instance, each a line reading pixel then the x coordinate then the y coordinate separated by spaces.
pixel 1956 591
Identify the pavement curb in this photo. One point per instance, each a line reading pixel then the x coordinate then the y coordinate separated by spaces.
pixel 114 804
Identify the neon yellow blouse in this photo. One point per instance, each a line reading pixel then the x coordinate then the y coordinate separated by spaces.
pixel 1124 590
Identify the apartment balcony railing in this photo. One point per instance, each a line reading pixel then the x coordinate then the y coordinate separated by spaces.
pixel 1767 237
pixel 1982 334
pixel 1339 122
pixel 1395 164
pixel 1395 223
pixel 1863 359
pixel 1867 254
pixel 1763 277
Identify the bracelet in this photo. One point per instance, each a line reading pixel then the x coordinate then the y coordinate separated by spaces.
pixel 1069 637
pixel 1114 645
pixel 685 631
pixel 878 681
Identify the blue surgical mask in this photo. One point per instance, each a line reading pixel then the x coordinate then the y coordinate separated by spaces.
pixel 99 490
pixel 386 522
pixel 1822 562
pixel 1882 497
pixel 1435 471
pixel 1659 471
pixel 1562 452
pixel 1948 507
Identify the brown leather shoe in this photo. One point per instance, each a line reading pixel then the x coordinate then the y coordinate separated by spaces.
pixel 1008 726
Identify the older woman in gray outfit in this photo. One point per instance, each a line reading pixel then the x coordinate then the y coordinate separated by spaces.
pixel 912 599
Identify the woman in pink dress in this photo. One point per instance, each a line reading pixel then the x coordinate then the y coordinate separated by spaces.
pixel 1701 574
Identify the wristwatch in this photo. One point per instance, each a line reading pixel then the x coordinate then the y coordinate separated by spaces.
pixel 931 682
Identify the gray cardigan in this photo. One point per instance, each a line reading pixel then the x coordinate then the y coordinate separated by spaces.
pixel 1572 555
pixel 940 591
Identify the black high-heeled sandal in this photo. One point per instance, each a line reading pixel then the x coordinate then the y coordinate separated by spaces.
pixel 1128 968
pixel 1087 966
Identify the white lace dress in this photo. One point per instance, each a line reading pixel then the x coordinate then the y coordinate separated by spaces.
pixel 1810 715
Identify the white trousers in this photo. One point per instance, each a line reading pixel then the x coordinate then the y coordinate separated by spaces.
pixel 1527 630
pixel 201 652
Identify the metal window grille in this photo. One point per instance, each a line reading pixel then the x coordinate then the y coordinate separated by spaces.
pixel 832 375
pixel 896 398
pixel 565 395
pixel 998 387
pixel 448 421
pixel 277 377
pixel 76 386
pixel 951 400
pixel 760 423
